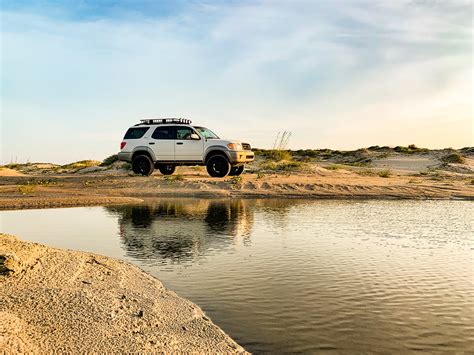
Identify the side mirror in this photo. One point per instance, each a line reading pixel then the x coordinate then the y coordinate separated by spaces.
pixel 195 137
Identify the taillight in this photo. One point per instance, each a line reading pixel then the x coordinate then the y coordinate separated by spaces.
pixel 122 145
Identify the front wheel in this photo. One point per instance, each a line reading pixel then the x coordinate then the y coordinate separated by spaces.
pixel 167 169
pixel 218 166
pixel 142 165
pixel 236 170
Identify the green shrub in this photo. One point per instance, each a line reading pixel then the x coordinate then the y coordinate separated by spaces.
pixel 109 160
pixel 385 173
pixel 126 166
pixel 12 166
pixel 277 155
pixel 81 164
pixel 410 149
pixel 401 149
pixel 334 167
pixel 26 189
pixel 366 172
pixel 283 166
pixel 236 182
pixel 374 147
pixel 171 179
pixel 454 157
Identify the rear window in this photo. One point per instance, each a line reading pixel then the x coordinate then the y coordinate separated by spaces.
pixel 164 132
pixel 135 133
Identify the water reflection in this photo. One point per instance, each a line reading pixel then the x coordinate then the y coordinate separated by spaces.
pixel 292 276
pixel 178 230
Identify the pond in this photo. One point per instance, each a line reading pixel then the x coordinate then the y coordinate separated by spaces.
pixel 287 276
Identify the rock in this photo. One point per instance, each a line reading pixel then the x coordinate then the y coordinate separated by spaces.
pixel 9 263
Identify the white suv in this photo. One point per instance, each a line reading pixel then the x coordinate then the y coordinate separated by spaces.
pixel 167 142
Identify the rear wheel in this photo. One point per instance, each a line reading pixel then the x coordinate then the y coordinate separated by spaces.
pixel 142 165
pixel 236 170
pixel 218 166
pixel 166 169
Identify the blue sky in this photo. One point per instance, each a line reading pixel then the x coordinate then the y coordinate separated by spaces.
pixel 337 74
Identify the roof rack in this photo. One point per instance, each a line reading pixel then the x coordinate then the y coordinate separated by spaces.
pixel 164 120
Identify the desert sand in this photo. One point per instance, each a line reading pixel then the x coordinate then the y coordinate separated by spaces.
pixel 55 300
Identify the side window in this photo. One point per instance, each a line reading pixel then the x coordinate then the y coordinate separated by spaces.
pixel 184 132
pixel 135 133
pixel 166 132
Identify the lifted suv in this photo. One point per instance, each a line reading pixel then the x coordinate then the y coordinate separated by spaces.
pixel 168 142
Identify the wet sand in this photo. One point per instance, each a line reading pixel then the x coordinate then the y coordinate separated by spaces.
pixel 58 300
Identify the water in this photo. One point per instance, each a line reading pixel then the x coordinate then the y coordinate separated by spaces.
pixel 294 276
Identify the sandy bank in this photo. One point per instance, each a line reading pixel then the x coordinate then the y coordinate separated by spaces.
pixel 57 300
pixel 81 190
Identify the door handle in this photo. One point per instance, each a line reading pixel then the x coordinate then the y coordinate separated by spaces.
pixel 151 143
pixel 179 143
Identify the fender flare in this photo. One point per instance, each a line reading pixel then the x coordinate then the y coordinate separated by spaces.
pixel 143 149
pixel 219 149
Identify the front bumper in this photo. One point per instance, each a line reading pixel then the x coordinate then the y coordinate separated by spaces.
pixel 241 156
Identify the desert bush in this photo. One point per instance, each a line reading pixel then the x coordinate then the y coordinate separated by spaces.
pixel 467 150
pixel 236 182
pixel 334 167
pixel 374 147
pixel 401 149
pixel 454 157
pixel 26 189
pixel 277 155
pixel 12 166
pixel 412 148
pixel 310 153
pixel 81 164
pixel 385 173
pixel 366 172
pixel 283 166
pixel 171 179
pixel 42 182
pixel 109 160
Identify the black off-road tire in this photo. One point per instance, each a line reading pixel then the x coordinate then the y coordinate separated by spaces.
pixel 142 165
pixel 218 166
pixel 166 169
pixel 236 170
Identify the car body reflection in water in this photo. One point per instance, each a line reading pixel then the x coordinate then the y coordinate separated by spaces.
pixel 180 231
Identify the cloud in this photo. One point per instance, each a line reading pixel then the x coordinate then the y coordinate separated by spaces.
pixel 340 74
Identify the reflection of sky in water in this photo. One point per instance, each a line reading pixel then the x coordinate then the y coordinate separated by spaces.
pixel 292 275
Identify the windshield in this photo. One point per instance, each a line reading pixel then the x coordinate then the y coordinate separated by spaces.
pixel 206 133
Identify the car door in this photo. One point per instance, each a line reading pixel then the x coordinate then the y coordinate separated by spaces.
pixel 187 148
pixel 163 142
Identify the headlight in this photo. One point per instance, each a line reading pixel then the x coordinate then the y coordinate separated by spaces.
pixel 234 146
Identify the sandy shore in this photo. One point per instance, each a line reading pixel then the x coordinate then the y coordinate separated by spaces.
pixel 56 300
pixel 36 191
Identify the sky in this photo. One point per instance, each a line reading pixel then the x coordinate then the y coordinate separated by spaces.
pixel 337 74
